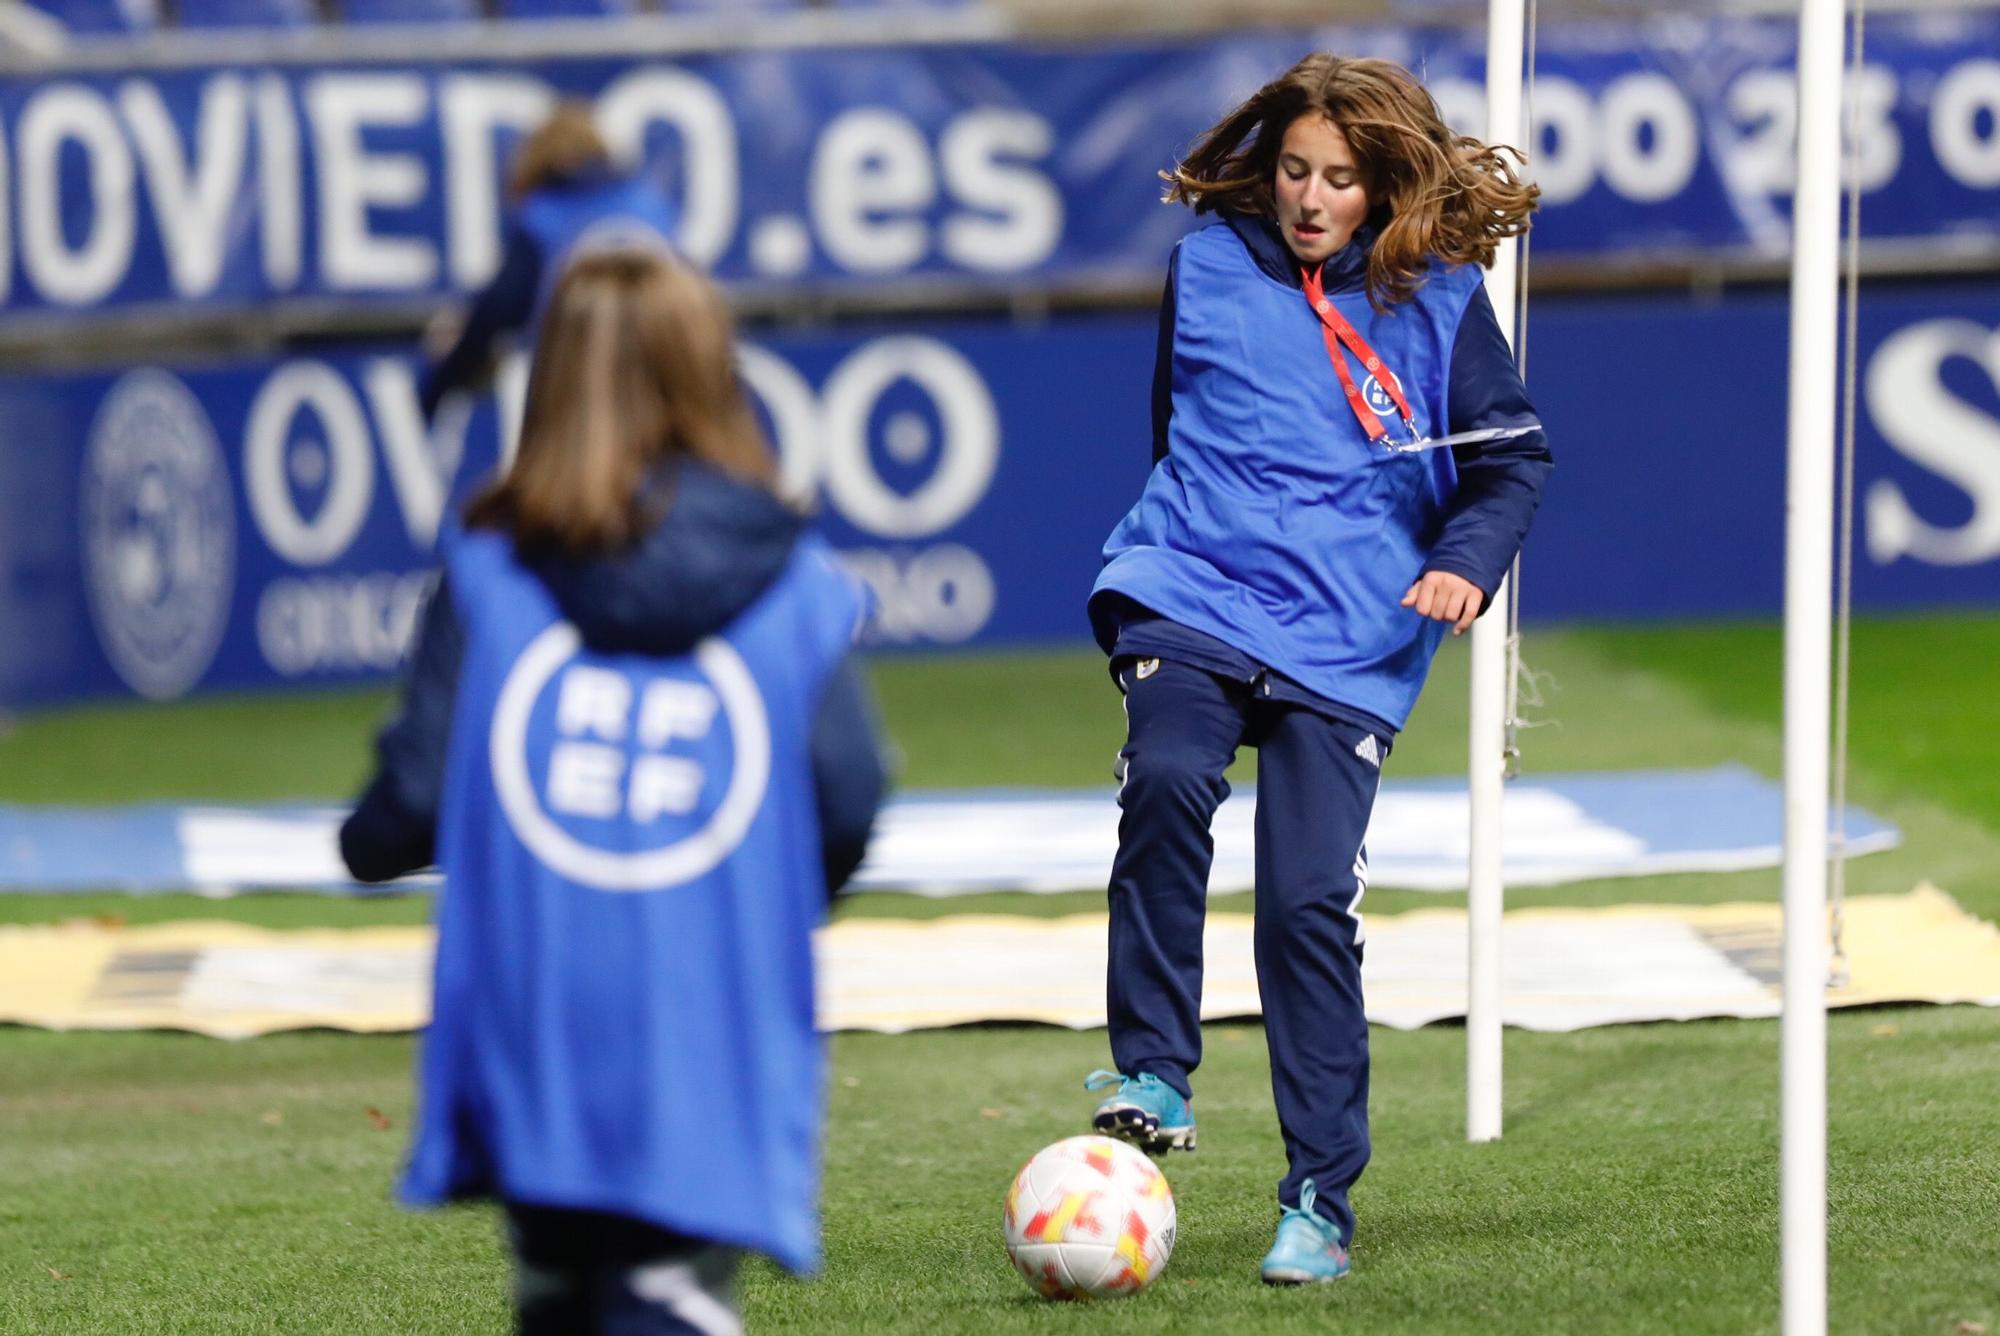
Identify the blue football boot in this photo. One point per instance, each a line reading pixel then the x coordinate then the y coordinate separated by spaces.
pixel 1143 1110
pixel 1308 1248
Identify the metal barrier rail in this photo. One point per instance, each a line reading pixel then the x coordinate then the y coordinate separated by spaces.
pixel 35 341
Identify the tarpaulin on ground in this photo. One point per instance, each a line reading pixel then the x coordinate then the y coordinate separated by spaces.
pixel 1566 969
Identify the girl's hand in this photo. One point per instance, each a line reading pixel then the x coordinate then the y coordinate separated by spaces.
pixel 1445 597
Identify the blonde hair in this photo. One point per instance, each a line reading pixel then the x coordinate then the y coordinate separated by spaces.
pixel 634 366
pixel 1434 193
pixel 564 148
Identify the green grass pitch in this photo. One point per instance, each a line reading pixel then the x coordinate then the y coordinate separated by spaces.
pixel 168 1183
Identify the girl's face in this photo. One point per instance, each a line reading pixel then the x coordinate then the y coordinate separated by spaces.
pixel 1319 192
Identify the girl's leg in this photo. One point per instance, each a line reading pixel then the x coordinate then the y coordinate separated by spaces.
pixel 589 1272
pixel 1183 725
pixel 1316 782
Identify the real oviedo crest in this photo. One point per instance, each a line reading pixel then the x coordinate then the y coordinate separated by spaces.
pixel 159 534
pixel 624 773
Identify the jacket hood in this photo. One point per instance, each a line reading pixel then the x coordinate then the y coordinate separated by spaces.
pixel 1346 270
pixel 720 545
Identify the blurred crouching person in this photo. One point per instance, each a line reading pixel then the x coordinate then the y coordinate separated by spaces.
pixel 565 191
pixel 633 740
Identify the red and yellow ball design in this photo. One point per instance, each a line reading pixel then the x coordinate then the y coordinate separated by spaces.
pixel 1089 1218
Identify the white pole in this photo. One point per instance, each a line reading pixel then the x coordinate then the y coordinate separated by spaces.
pixel 1808 630
pixel 1505 24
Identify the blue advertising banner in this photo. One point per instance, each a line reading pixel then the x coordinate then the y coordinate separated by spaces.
pixel 228 187
pixel 163 529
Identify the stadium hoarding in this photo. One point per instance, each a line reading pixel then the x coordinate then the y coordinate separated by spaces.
pixel 168 528
pixel 228 187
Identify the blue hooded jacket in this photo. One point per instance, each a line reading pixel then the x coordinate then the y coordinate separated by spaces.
pixel 720 546
pixel 1273 541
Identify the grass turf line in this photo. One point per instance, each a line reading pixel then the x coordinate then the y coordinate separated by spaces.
pixel 1926 711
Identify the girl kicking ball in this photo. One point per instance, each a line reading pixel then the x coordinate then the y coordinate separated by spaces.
pixel 1345 464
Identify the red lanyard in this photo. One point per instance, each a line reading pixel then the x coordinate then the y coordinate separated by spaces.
pixel 1336 330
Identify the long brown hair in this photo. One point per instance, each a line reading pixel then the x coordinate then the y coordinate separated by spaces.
pixel 564 148
pixel 634 367
pixel 1433 193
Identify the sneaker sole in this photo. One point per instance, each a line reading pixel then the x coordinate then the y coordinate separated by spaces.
pixel 1133 1124
pixel 1290 1276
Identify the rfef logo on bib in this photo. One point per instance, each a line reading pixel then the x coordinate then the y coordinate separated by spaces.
pixel 1378 398
pixel 627 774
pixel 159 534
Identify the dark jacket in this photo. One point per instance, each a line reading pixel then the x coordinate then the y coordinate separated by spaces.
pixel 503 306
pixel 719 547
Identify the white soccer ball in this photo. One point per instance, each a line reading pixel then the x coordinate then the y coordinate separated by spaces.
pixel 1089 1218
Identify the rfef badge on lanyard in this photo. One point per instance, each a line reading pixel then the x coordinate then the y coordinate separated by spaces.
pixel 1339 332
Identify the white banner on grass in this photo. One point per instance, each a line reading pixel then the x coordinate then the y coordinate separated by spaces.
pixel 1559 828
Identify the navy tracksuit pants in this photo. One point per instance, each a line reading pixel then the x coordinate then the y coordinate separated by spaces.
pixel 1315 787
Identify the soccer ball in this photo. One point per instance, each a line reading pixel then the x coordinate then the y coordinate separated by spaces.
pixel 1089 1218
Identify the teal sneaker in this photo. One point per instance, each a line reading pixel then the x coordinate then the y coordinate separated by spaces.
pixel 1143 1110
pixel 1308 1249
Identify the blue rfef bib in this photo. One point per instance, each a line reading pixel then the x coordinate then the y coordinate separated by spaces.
pixel 624 1004
pixel 626 210
pixel 1273 523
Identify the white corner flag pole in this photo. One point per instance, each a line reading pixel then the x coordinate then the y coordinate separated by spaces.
pixel 1505 49
pixel 1808 632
